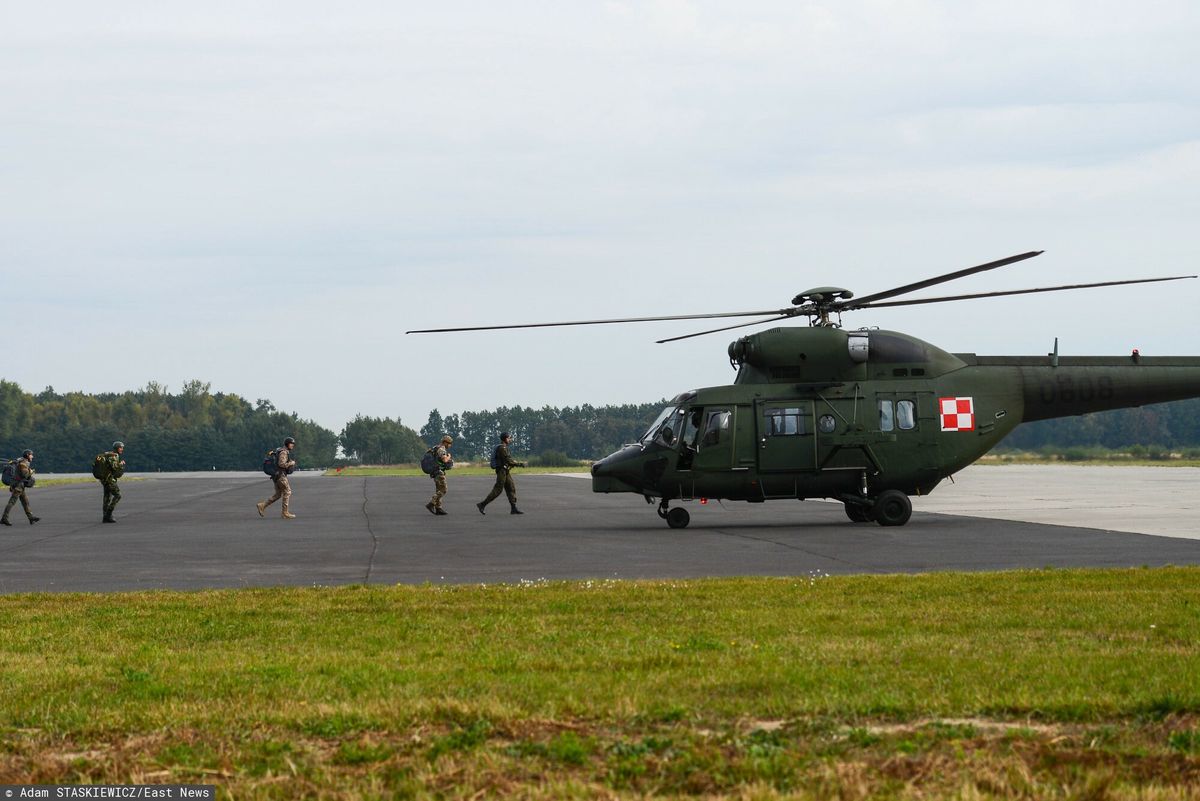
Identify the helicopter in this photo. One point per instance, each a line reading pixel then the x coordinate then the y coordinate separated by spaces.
pixel 867 417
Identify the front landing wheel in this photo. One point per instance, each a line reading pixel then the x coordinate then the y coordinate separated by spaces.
pixel 892 508
pixel 678 518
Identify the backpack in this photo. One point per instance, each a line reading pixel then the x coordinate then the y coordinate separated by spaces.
pixel 9 477
pixel 428 462
pixel 101 469
pixel 495 463
pixel 271 463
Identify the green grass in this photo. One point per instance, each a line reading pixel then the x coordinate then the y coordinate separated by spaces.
pixel 58 482
pixel 460 470
pixel 1038 684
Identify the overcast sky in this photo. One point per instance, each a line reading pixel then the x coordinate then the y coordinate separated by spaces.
pixel 267 195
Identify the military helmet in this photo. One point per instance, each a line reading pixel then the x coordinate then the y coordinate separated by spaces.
pixel 26 453
pixel 447 440
pixel 289 441
pixel 118 445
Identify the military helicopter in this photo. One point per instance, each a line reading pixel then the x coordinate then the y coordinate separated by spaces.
pixel 867 417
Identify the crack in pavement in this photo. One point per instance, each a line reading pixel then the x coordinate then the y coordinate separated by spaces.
pixel 371 531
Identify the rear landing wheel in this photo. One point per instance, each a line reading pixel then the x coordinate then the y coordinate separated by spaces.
pixel 892 508
pixel 678 518
pixel 858 514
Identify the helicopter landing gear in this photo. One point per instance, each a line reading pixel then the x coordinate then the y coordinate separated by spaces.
pixel 857 513
pixel 892 508
pixel 676 518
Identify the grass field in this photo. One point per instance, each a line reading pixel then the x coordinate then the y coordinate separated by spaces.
pixel 1040 684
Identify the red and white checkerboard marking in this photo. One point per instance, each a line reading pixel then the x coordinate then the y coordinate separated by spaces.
pixel 958 414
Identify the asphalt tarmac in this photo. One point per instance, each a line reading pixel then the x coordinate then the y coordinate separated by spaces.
pixel 200 532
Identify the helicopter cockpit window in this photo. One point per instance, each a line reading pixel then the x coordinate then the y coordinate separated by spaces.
pixel 666 427
pixel 784 421
pixel 906 415
pixel 717 428
pixel 887 420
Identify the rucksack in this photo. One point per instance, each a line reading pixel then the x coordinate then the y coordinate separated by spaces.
pixel 9 477
pixel 271 463
pixel 495 463
pixel 101 469
pixel 428 462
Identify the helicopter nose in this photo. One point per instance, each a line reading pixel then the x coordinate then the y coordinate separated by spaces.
pixel 618 472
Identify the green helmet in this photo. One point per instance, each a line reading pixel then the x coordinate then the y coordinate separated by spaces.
pixel 118 445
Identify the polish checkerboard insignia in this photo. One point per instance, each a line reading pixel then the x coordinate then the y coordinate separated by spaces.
pixel 958 414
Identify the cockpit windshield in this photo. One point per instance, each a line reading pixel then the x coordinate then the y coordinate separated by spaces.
pixel 666 428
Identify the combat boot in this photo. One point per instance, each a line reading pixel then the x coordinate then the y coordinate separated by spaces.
pixel 515 510
pixel 432 509
pixel 262 508
pixel 288 516
pixel 108 519
pixel 440 511
pixel 4 521
pixel 33 520
pixel 479 506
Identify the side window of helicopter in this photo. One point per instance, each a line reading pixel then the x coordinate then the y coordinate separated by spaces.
pixel 691 427
pixel 906 415
pixel 826 424
pixel 717 427
pixel 784 422
pixel 887 422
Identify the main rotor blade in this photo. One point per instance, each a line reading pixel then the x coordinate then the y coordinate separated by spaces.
pixel 726 328
pixel 858 303
pixel 1023 291
pixel 784 312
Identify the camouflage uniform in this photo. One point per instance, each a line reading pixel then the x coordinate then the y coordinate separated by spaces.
pixel 440 457
pixel 24 476
pixel 504 481
pixel 283 489
pixel 112 491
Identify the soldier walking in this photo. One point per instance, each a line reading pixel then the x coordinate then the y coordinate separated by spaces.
pixel 109 468
pixel 284 465
pixel 21 481
pixel 442 461
pixel 504 463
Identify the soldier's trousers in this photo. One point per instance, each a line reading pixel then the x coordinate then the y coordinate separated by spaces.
pixel 12 501
pixel 283 490
pixel 504 483
pixel 439 490
pixel 112 496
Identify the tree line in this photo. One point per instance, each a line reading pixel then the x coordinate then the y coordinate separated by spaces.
pixel 193 429
pixel 196 429
pixel 1173 426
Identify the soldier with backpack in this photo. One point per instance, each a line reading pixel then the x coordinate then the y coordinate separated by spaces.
pixel 18 475
pixel 107 468
pixel 503 463
pixel 279 465
pixel 439 461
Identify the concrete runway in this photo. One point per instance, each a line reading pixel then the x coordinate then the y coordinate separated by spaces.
pixel 203 532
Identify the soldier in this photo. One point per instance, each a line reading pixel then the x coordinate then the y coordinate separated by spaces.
pixel 284 466
pixel 112 468
pixel 503 463
pixel 442 461
pixel 24 480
